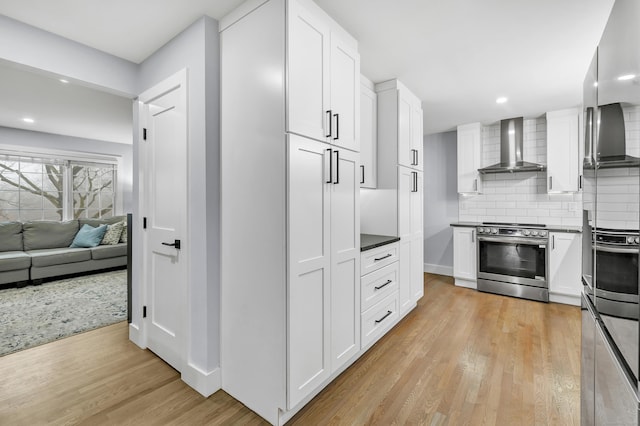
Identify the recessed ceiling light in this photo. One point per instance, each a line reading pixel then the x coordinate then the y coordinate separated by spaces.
pixel 626 77
pixel 28 120
pixel 62 80
pixel 501 100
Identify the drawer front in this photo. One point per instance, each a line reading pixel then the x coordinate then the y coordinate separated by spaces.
pixel 378 285
pixel 378 257
pixel 379 318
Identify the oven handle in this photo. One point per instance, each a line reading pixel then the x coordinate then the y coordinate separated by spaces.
pixel 528 241
pixel 610 249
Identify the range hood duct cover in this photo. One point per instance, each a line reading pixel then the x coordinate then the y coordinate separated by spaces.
pixel 611 145
pixel 511 141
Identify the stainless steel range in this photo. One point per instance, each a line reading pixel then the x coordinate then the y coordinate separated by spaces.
pixel 513 260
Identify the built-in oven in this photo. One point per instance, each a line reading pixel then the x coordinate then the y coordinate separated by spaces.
pixel 513 260
pixel 616 272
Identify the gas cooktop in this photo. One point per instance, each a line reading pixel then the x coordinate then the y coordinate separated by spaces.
pixel 514 225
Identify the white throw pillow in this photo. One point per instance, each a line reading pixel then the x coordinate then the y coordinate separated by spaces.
pixel 113 234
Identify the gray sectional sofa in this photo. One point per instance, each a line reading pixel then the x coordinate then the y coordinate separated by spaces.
pixel 32 251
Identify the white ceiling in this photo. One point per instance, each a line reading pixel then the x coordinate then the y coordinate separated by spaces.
pixel 458 56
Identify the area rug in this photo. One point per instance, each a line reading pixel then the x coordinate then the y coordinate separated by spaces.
pixel 34 315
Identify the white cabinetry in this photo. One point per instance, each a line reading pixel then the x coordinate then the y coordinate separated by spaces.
pixel 368 133
pixel 324 78
pixel 464 256
pixel 290 220
pixel 563 159
pixel 399 125
pixel 469 158
pixel 565 267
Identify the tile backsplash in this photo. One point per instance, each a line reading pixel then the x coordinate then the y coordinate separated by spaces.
pixel 519 197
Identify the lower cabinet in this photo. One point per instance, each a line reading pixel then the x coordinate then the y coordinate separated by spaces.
pixel 565 260
pixel 464 256
pixel 379 303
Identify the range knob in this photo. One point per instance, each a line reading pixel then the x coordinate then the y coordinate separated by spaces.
pixel 629 240
pixel 543 233
pixel 636 240
pixel 526 232
pixel 534 233
pixel 480 230
pixel 494 230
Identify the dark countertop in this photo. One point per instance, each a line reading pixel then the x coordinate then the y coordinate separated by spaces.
pixel 550 228
pixel 368 241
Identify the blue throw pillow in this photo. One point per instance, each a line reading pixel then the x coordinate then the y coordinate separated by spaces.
pixel 88 236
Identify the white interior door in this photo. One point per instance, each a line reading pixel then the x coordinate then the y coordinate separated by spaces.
pixel 163 165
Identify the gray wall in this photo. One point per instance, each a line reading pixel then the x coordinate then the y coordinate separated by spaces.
pixel 197 49
pixel 440 201
pixel 27 140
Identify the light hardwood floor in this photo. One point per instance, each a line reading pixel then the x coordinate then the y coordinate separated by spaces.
pixel 461 357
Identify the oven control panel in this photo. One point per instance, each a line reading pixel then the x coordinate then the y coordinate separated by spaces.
pixel 617 238
pixel 512 232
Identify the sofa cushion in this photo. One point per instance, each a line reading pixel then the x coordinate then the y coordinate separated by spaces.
pixel 88 236
pixel 10 236
pixel 97 222
pixel 59 256
pixel 44 234
pixel 14 260
pixel 113 234
pixel 108 251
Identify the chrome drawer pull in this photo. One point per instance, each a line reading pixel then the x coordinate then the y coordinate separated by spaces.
pixel 383 285
pixel 377 259
pixel 382 319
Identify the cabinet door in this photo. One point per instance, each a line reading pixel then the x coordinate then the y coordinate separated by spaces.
pixel 368 136
pixel 417 268
pixel 405 143
pixel 469 156
pixel 416 205
pixel 308 78
pixel 464 253
pixel 565 263
pixel 345 257
pixel 345 98
pixel 416 134
pixel 309 263
pixel 562 151
pixel 404 286
pixel 406 217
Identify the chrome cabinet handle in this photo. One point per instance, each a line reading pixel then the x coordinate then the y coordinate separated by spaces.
pixel 550 182
pixel 473 236
pixel 378 287
pixel 475 184
pixel 383 318
pixel 362 170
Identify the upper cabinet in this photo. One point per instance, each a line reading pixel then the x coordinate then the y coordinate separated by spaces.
pixel 324 78
pixel 469 158
pixel 399 124
pixel 563 158
pixel 368 133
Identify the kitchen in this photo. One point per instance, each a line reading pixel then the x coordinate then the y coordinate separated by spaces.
pixel 259 361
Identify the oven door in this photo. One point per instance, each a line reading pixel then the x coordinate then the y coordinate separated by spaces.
pixel 513 260
pixel 617 280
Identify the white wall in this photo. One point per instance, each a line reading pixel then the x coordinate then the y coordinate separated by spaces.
pixel 440 201
pixel 196 49
pixel 37 141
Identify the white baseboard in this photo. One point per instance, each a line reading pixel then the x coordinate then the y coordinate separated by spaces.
pixel 567 299
pixel 438 269
pixel 135 335
pixel 466 283
pixel 205 383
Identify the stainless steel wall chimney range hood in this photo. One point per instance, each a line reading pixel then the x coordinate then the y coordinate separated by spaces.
pixel 511 150
pixel 611 141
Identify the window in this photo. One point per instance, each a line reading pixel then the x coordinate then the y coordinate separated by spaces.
pixel 34 188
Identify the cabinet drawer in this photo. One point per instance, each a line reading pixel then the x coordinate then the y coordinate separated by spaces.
pixel 378 257
pixel 378 285
pixel 379 318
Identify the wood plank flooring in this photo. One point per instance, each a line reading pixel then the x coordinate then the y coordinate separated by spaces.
pixel 461 357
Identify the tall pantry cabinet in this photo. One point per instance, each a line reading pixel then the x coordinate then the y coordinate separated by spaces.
pixel 290 232
pixel 396 206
